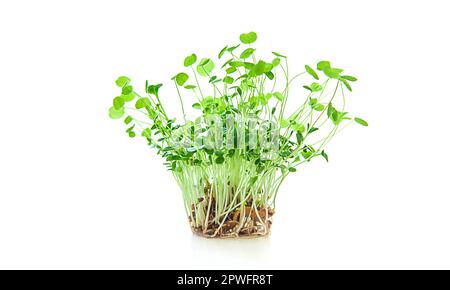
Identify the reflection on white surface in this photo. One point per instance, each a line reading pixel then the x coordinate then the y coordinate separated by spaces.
pixel 239 253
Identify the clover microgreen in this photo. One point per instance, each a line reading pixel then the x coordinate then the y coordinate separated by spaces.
pixel 232 191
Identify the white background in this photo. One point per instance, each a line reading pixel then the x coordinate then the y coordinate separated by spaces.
pixel 76 192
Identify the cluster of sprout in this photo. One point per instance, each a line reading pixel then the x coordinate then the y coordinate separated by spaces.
pixel 231 190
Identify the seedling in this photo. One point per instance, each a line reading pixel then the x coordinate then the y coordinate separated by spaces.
pixel 249 134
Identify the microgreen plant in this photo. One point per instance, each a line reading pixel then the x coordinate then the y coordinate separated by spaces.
pixel 231 190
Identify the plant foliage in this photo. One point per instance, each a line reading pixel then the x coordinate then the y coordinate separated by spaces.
pixel 218 182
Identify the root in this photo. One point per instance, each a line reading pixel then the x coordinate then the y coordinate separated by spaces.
pixel 244 221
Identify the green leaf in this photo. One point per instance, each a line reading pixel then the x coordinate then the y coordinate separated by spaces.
pixel 276 61
pixel 299 137
pixel 230 49
pixel 190 60
pixel 248 38
pixel 130 129
pixel 213 79
pixel 118 103
pixel 284 123
pixel 322 65
pixel 278 54
pixel 151 113
pixel 349 78
pixel 299 127
pixel 324 155
pixel 268 67
pixel 254 101
pixel 278 96
pixel 196 106
pixel 181 78
pixel 129 97
pixel 292 169
pixel 128 120
pixel 306 154
pixel 269 75
pixel 227 63
pixel 332 72
pixel 308 88
pixel 190 87
pixel 361 122
pixel 153 89
pixel 330 110
pixel 127 93
pixel 263 100
pixel 247 53
pixel 147 133
pixel 311 72
pixel 313 129
pixel 242 77
pixel 319 107
pixel 127 89
pixel 131 134
pixel 143 103
pixel 122 81
pixel 228 80
pixel 236 63
pixel 337 117
pixel 259 68
pixel 220 160
pixel 230 70
pixel 223 51
pixel 205 67
pixel 315 87
pixel 249 65
pixel 207 101
pixel 116 114
pixel 347 85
